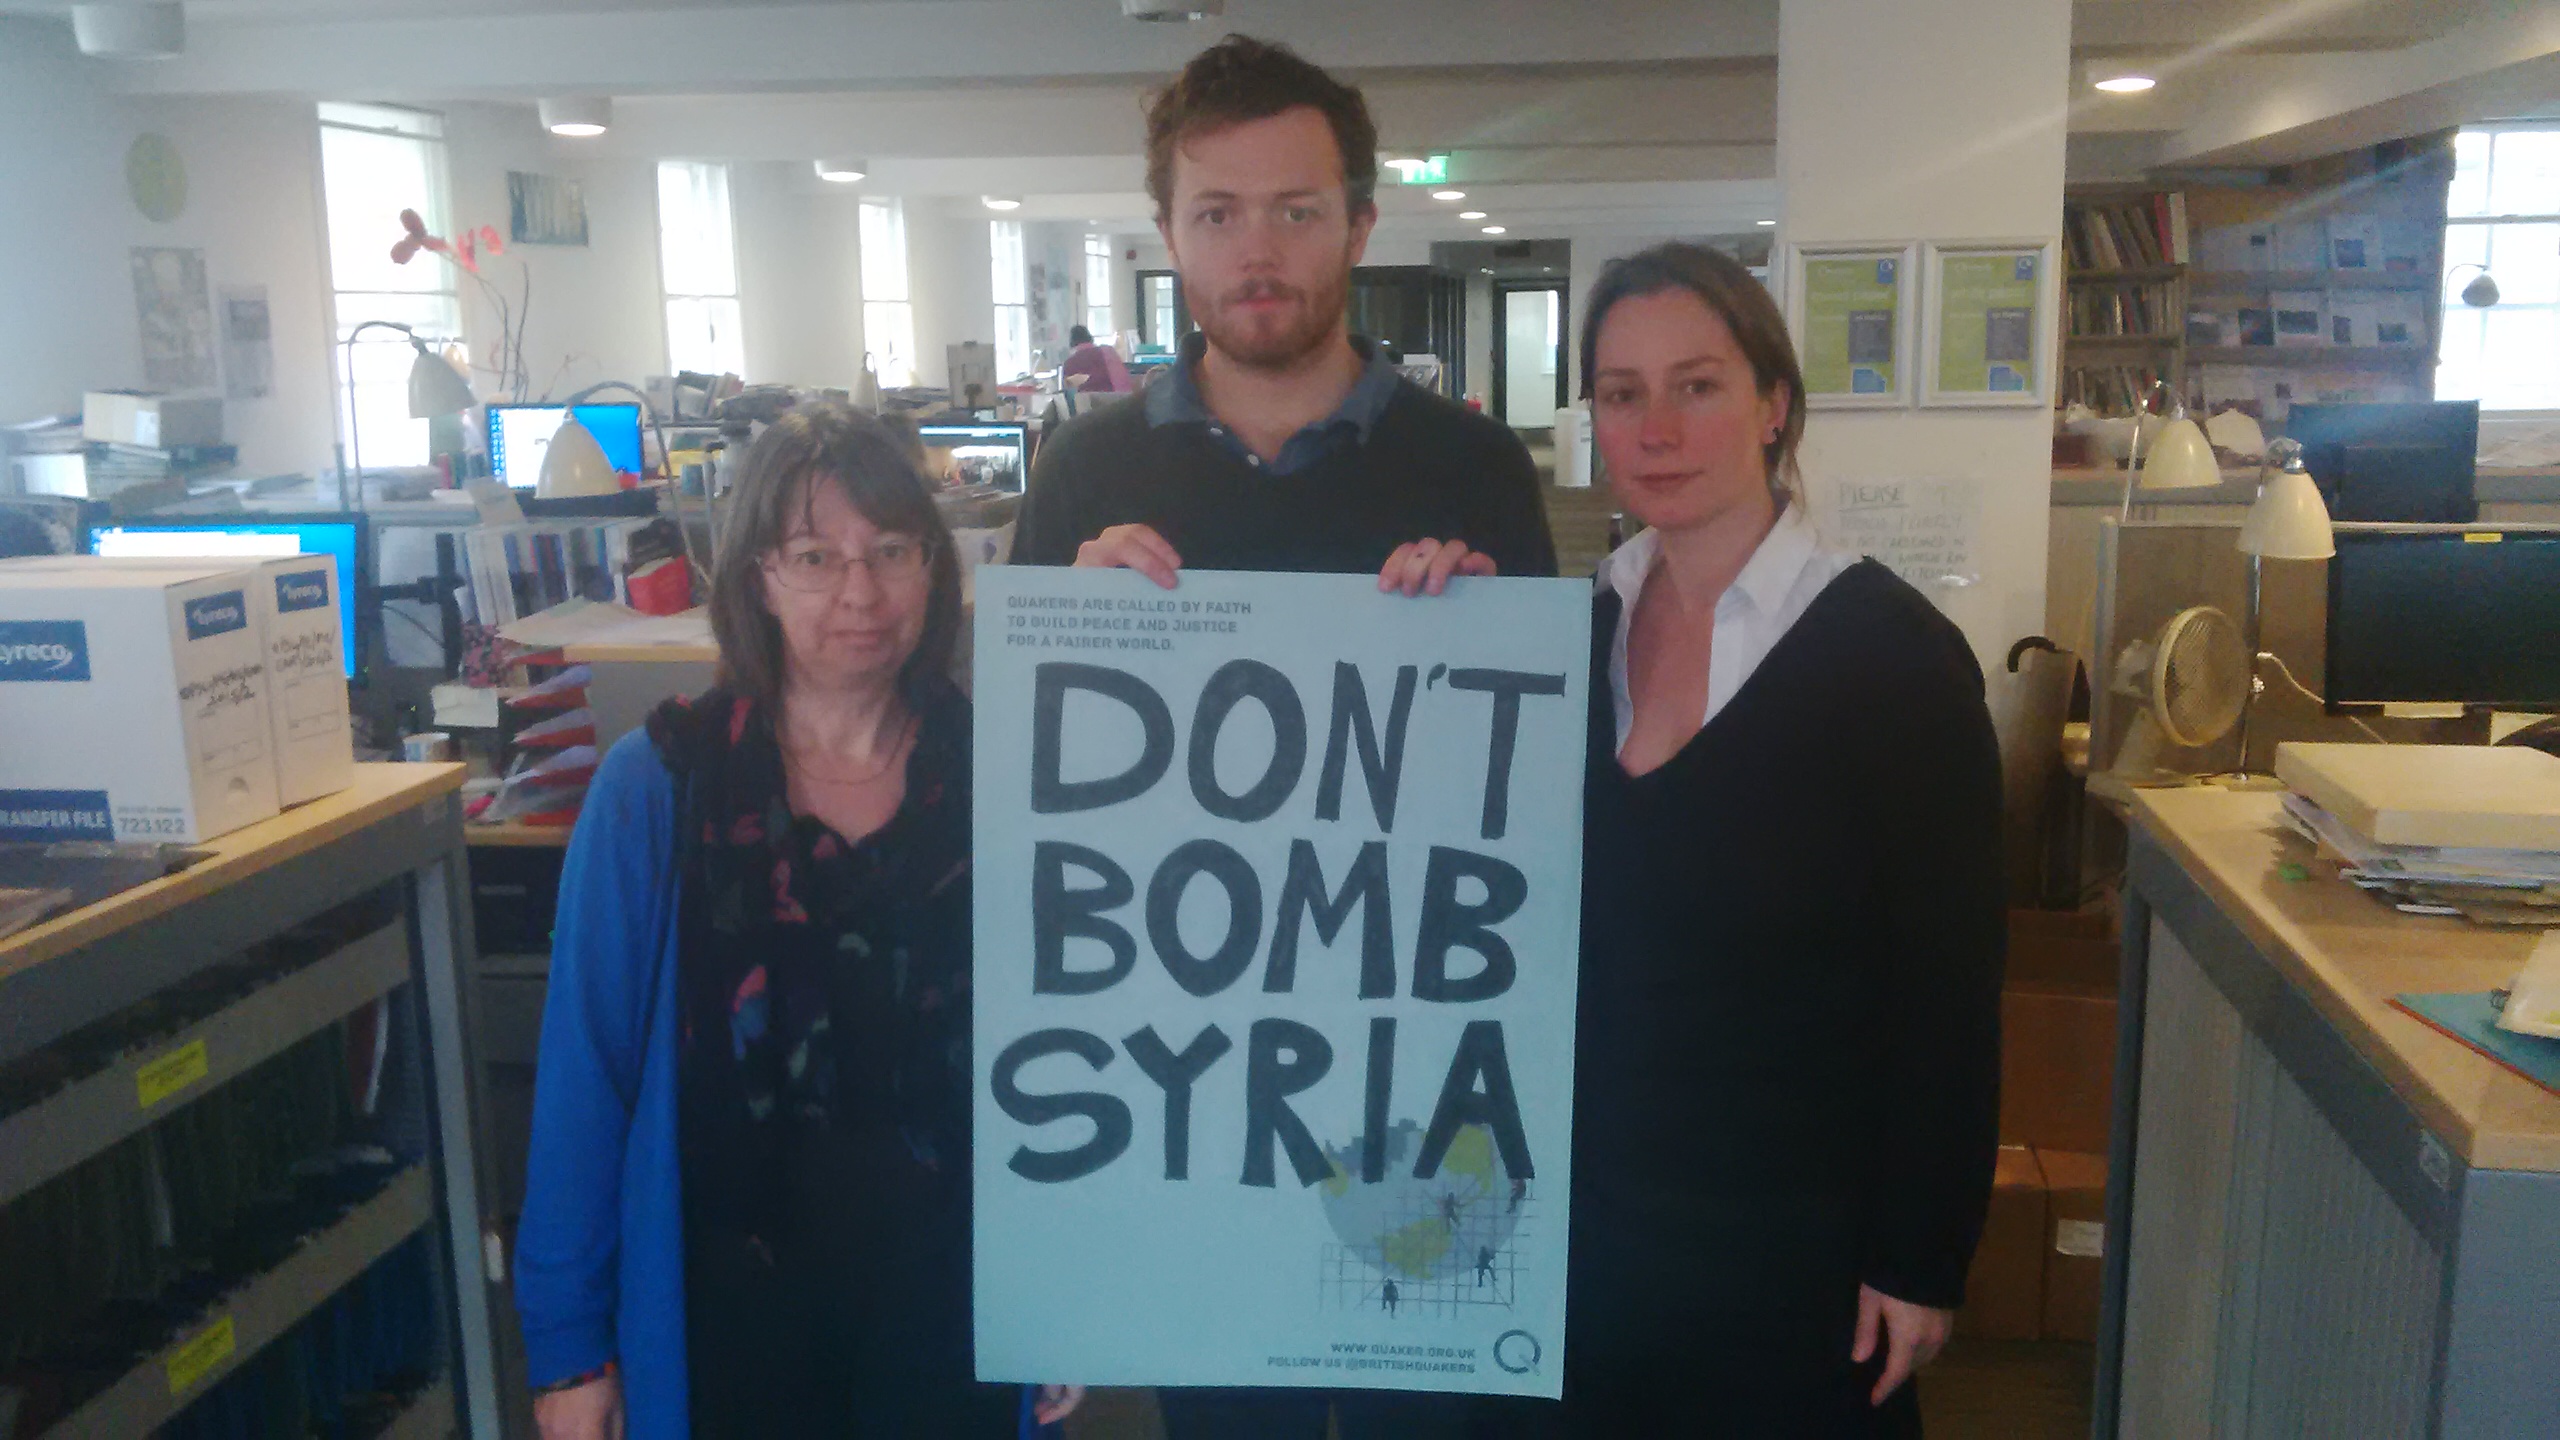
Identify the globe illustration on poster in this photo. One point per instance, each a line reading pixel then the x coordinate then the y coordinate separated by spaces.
pixel 1412 1245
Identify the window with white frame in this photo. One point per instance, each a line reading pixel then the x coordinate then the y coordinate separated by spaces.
pixel 2503 213
pixel 888 317
pixel 698 269
pixel 1013 299
pixel 376 161
pixel 1097 287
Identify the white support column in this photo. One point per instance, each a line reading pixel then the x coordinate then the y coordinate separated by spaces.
pixel 1944 122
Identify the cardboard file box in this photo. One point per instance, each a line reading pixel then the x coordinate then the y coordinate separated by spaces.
pixel 155 422
pixel 295 605
pixel 2004 1291
pixel 133 705
pixel 2057 1066
pixel 2075 1252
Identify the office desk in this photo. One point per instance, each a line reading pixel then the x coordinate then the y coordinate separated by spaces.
pixel 2325 1219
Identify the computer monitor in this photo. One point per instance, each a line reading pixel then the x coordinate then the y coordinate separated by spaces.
pixel 981 453
pixel 2394 464
pixel 520 435
pixel 255 536
pixel 2467 614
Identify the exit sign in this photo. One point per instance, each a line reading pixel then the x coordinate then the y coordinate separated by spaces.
pixel 1430 170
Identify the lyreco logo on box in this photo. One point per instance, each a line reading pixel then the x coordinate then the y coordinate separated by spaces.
pixel 56 815
pixel 302 590
pixel 44 650
pixel 214 614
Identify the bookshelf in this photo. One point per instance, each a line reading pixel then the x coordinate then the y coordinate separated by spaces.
pixel 2321 285
pixel 2125 253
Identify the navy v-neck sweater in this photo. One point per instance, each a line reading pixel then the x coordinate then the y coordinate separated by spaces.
pixel 1788 1066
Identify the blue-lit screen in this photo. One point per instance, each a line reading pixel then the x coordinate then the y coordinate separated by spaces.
pixel 255 539
pixel 519 435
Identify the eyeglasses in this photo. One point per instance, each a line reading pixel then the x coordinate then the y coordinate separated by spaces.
pixel 894 560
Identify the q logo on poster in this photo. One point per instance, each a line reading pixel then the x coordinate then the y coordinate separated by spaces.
pixel 1278 889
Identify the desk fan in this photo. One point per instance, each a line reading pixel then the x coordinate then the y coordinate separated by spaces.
pixel 2193 681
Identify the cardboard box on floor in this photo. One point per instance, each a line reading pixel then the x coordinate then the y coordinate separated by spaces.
pixel 2069 949
pixel 2004 1291
pixel 2075 1243
pixel 2057 1067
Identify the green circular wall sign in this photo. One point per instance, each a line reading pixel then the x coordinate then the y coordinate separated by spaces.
pixel 155 177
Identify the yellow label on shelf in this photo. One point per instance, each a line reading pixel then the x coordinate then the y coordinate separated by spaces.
pixel 195 1359
pixel 171 1073
pixel 2482 537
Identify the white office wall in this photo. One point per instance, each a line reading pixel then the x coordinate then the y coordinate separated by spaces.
pixel 1937 122
pixel 799 274
pixel 949 274
pixel 67 229
pixel 597 313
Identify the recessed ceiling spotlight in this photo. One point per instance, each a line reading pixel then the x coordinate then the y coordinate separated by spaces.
pixel 1488 270
pixel 1470 214
pixel 1496 230
pixel 842 172
pixel 1764 222
pixel 999 202
pixel 1448 194
pixel 2126 84
pixel 577 116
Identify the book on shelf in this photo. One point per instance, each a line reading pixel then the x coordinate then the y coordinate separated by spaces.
pixel 2125 233
pixel 2109 389
pixel 2136 308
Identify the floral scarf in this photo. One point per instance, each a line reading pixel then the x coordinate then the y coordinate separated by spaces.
pixel 783 924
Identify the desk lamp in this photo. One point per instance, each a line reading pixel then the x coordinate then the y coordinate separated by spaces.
pixel 435 388
pixel 575 464
pixel 2181 458
pixel 2289 522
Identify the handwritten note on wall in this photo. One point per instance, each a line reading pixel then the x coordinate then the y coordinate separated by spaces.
pixel 1926 531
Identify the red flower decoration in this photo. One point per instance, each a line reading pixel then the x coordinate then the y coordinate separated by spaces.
pixel 489 242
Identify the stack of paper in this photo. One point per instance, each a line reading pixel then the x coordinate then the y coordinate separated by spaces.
pixel 2494 887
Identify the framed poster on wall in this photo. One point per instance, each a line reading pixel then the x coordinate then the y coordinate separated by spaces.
pixel 1850 308
pixel 1989 331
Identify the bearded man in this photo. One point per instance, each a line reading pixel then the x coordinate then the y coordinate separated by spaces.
pixel 1279 441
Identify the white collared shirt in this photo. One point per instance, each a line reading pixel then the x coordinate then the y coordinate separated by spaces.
pixel 1765 600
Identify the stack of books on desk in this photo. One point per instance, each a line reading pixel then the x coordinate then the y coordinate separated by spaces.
pixel 2468 830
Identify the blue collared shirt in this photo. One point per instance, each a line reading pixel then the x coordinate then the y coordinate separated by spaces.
pixel 1173 398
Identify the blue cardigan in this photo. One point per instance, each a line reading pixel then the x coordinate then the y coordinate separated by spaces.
pixel 600 1247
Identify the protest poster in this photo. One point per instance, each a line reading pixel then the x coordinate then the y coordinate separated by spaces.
pixel 1278 886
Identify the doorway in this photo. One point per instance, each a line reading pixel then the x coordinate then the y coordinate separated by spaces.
pixel 1529 365
pixel 1163 318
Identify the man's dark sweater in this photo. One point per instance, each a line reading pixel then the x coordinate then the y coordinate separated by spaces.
pixel 1422 468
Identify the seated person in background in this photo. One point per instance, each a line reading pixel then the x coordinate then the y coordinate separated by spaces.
pixel 1098 365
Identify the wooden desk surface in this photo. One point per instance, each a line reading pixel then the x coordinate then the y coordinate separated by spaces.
pixel 378 791
pixel 2350 953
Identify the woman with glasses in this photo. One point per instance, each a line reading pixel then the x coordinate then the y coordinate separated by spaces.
pixel 747 1207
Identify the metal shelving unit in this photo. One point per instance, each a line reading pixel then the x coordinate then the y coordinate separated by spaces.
pixel 240 1324
pixel 397 826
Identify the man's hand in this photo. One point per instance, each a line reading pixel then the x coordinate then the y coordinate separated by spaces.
pixel 592 1411
pixel 1056 1403
pixel 1913 1336
pixel 1423 567
pixel 1132 547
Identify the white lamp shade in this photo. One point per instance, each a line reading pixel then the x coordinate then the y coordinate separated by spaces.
pixel 436 388
pixel 2180 458
pixel 2289 522
pixel 574 464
